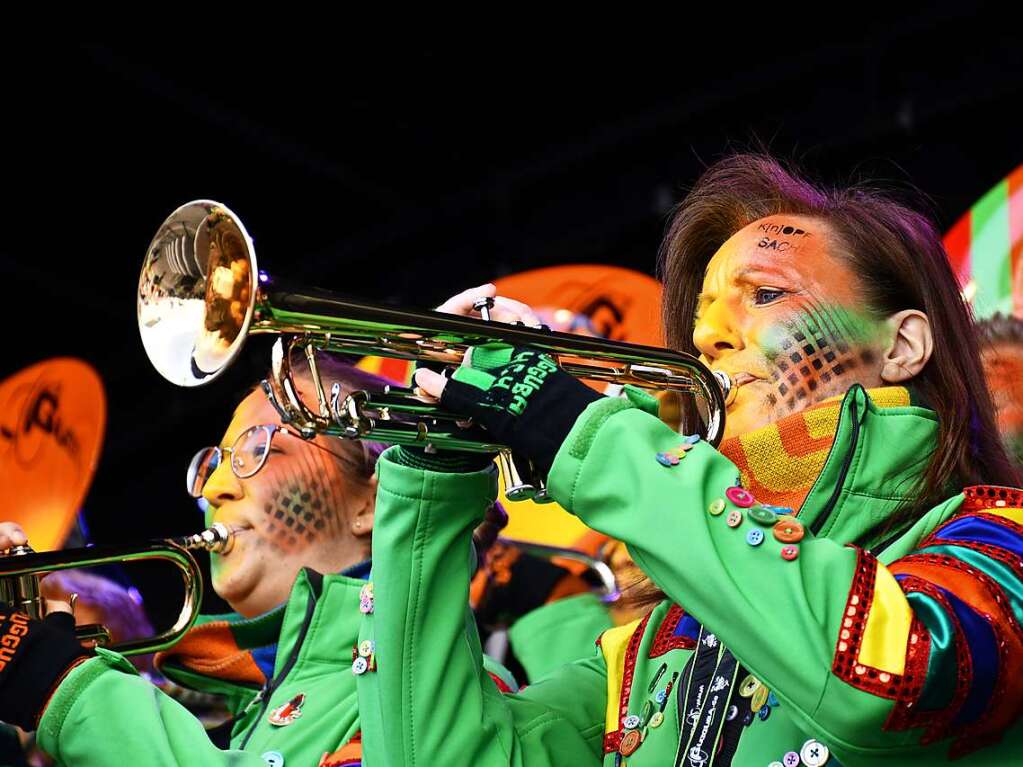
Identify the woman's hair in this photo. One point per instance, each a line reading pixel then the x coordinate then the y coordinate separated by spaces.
pixel 898 257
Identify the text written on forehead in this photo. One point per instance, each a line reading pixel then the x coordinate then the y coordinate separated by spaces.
pixel 777 234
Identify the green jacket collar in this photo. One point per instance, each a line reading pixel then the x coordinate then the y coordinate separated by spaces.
pixel 876 460
pixel 233 656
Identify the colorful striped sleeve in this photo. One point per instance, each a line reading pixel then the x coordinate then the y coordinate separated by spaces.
pixel 939 630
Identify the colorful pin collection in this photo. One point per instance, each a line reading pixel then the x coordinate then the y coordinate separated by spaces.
pixel 364 657
pixel 636 726
pixel 784 526
pixel 366 599
pixel 672 456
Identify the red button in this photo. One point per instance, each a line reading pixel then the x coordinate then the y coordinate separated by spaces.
pixel 740 497
pixel 789 552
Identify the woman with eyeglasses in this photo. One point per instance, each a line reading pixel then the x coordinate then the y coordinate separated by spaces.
pixel 302 515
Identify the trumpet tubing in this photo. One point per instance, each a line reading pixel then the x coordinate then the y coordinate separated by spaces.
pixel 21 569
pixel 201 294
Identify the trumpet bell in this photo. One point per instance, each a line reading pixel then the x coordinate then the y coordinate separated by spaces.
pixel 197 293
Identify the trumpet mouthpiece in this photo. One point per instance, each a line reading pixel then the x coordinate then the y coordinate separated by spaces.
pixel 217 538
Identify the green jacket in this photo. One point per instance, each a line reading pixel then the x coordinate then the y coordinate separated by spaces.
pixel 103 713
pixel 868 656
pixel 557 633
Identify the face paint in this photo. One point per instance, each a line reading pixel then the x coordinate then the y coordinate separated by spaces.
pixel 301 493
pixel 783 316
pixel 291 514
pixel 817 353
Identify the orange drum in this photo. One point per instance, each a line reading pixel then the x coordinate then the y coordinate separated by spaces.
pixel 52 417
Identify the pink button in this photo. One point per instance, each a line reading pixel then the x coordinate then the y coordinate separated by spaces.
pixel 740 497
pixel 791 759
pixel 789 552
pixel 734 518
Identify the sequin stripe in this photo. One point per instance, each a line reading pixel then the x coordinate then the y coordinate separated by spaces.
pixel 988 517
pixel 904 717
pixel 996 715
pixel 991 590
pixel 997 553
pixel 665 640
pixel 846 665
pixel 918 655
pixel 949 532
pixel 979 497
pixel 613 739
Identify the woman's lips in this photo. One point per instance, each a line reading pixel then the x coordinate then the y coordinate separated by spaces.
pixel 743 378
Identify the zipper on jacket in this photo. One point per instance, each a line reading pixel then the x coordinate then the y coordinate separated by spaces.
pixel 818 523
pixel 267 691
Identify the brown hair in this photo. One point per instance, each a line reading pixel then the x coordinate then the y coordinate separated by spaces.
pixel 897 254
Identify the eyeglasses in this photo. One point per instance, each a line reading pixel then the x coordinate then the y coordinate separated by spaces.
pixel 248 455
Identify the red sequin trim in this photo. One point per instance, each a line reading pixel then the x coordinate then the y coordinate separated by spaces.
pixel 999 705
pixel 612 740
pixel 980 497
pixel 665 640
pixel 908 715
pixel 846 666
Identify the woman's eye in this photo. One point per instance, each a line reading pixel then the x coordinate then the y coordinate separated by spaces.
pixel 767 295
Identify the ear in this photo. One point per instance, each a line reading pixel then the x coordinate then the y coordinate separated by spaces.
pixel 360 523
pixel 912 344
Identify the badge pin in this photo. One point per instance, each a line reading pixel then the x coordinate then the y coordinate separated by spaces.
pixel 289 712
pixel 366 599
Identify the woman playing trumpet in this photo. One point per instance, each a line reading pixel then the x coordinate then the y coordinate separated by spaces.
pixel 838 582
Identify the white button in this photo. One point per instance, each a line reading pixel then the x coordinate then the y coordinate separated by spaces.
pixel 814 753
pixel 360 665
pixel 273 759
pixel 776 764
pixel 632 722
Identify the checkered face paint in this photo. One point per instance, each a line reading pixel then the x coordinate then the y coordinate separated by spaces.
pixel 816 354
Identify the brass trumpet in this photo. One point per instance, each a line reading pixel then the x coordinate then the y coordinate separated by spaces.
pixel 201 294
pixel 21 569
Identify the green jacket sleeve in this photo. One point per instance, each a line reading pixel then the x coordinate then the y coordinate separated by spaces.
pixel 557 633
pixel 429 701
pixel 104 714
pixel 785 620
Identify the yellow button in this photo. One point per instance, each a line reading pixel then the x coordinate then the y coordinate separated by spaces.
pixel 716 506
pixel 759 698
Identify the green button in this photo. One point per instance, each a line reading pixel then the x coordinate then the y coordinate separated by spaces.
pixel 716 506
pixel 648 711
pixel 762 515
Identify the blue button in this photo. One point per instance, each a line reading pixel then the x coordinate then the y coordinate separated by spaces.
pixel 772 700
pixel 764 712
pixel 755 537
pixel 661 696
pixel 273 759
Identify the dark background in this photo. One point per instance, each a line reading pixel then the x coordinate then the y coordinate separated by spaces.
pixel 407 170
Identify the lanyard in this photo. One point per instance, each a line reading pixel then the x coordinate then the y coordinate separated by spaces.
pixel 704 699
